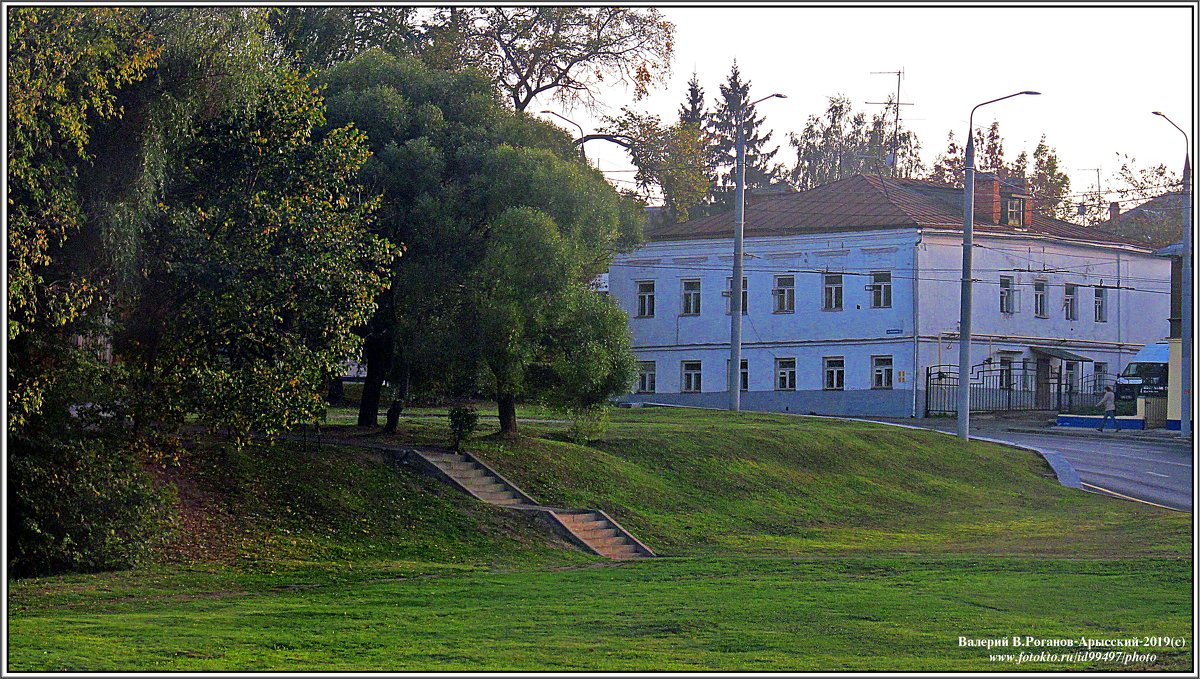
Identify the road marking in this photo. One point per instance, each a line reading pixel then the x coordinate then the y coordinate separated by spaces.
pixel 1157 474
pixel 1126 497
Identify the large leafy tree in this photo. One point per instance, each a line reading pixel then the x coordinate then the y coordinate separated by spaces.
pixel 319 37
pixel 670 159
pixel 449 161
pixel 844 142
pixel 731 111
pixel 1049 185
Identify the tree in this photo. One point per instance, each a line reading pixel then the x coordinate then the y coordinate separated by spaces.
pixel 672 160
pixel 450 160
pixel 1049 185
pixel 948 167
pixel 319 37
pixel 692 110
pixel 730 112
pixel 844 143
pixel 563 51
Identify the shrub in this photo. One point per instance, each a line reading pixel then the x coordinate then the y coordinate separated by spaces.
pixel 463 422
pixel 587 424
pixel 81 506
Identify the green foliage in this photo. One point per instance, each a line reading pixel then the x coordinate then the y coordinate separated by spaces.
pixel 730 113
pixel 258 266
pixel 844 143
pixel 80 505
pixel 320 37
pixel 463 422
pixel 1050 186
pixel 670 159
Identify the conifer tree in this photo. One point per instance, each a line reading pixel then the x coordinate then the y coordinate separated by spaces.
pixel 692 110
pixel 723 124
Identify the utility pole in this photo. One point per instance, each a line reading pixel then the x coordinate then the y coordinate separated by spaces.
pixel 1185 325
pixel 895 157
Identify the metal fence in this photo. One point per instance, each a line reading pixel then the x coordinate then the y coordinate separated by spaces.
pixel 1011 387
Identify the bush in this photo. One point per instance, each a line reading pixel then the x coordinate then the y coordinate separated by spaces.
pixel 463 422
pixel 587 424
pixel 80 506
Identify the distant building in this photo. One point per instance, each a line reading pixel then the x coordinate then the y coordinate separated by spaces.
pixel 1157 223
pixel 851 293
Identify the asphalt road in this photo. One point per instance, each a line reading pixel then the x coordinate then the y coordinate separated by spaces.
pixel 1158 471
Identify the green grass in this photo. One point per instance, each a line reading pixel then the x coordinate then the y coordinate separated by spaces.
pixel 789 543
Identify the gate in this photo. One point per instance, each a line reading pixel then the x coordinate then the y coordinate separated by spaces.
pixel 997 387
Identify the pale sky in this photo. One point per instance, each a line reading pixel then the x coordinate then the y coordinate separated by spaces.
pixel 1101 71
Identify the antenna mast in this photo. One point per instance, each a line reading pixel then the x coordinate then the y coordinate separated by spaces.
pixel 893 160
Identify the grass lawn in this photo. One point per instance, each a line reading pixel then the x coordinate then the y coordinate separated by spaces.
pixel 787 544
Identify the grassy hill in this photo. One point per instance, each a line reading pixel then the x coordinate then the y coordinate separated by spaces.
pixel 788 543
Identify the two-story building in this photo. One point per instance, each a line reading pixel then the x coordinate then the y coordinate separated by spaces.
pixel 851 291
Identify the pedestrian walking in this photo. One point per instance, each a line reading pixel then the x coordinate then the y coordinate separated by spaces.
pixel 1109 403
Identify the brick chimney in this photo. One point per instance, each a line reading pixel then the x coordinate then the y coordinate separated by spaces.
pixel 987 197
pixel 1114 209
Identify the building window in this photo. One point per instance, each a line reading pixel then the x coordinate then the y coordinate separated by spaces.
pixel 743 375
pixel 1101 305
pixel 1071 375
pixel 835 372
pixel 785 294
pixel 1006 379
pixel 691 298
pixel 881 372
pixel 1039 299
pixel 691 376
pixel 1007 295
pixel 1100 370
pixel 832 299
pixel 1070 308
pixel 881 289
pixel 729 296
pixel 1016 212
pixel 645 300
pixel 785 374
pixel 646 377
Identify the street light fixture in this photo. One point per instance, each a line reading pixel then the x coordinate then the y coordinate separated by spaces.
pixel 735 284
pixel 1185 321
pixel 964 322
pixel 581 132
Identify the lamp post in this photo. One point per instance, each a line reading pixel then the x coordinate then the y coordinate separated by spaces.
pixel 964 314
pixel 735 284
pixel 1185 321
pixel 582 135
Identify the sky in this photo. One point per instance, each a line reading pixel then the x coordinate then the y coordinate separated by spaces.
pixel 1101 71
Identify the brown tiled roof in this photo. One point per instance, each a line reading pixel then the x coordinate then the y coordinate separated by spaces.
pixel 1156 223
pixel 865 203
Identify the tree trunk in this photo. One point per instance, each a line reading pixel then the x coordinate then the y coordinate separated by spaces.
pixel 379 358
pixel 399 394
pixel 507 404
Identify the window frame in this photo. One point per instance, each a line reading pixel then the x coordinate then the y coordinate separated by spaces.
pixel 1008 286
pixel 888 371
pixel 729 295
pixel 881 290
pixel 839 371
pixel 688 297
pixel 743 375
pixel 785 376
pixel 1100 305
pixel 645 299
pixel 828 287
pixel 1015 218
pixel 652 373
pixel 685 372
pixel 1040 297
pixel 1070 302
pixel 784 296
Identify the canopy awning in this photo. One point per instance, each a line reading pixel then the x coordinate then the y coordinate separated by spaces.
pixel 1060 353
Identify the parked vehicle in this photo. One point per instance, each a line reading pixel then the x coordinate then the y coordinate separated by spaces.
pixel 1146 374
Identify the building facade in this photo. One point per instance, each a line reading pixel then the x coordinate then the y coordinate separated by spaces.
pixel 852 296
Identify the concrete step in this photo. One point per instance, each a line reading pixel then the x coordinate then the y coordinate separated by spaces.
pixel 481 482
pixel 579 517
pixel 457 467
pixel 586 524
pixel 623 554
pixel 597 533
pixel 496 496
pixel 609 542
pixel 445 457
pixel 472 474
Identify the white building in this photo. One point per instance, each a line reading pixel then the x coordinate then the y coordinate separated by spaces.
pixel 852 298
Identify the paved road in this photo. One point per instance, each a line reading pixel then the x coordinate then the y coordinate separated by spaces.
pixel 1151 469
pixel 1158 471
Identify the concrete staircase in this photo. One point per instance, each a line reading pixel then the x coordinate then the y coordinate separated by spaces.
pixel 593 530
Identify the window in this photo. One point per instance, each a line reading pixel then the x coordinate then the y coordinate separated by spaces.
pixel 785 374
pixel 1016 211
pixel 691 298
pixel 729 296
pixel 1100 370
pixel 1071 375
pixel 832 300
pixel 1039 299
pixel 646 377
pixel 835 372
pixel 1070 308
pixel 743 375
pixel 881 289
pixel 691 376
pixel 645 299
pixel 1101 304
pixel 1007 294
pixel 1006 380
pixel 881 372
pixel 785 294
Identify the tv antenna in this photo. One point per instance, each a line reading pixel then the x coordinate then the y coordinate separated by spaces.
pixel 893 157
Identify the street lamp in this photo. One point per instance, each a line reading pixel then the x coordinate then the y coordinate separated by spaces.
pixel 1185 322
pixel 735 284
pixel 581 132
pixel 964 314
